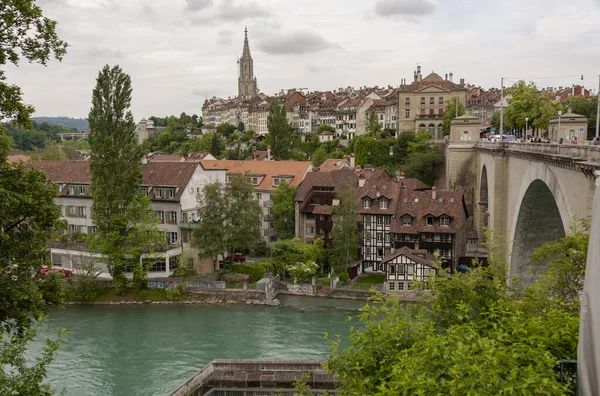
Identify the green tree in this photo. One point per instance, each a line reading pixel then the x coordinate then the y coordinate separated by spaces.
pixel 216 146
pixel 472 323
pixel 373 126
pixel 586 107
pixel 325 128
pixel 240 126
pixel 211 234
pixel 528 102
pixel 25 33
pixel 226 129
pixel 283 211
pixel 126 226
pixel 422 157
pixel 451 112
pixel 295 258
pixel 280 131
pixel 243 216
pixel 345 229
pixel 53 152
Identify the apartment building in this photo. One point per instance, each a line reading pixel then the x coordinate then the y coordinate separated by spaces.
pixel 171 186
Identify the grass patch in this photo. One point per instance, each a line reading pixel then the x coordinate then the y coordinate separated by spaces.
pixel 110 295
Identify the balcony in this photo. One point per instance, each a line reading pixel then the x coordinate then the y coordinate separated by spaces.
pixel 429 116
pixel 189 226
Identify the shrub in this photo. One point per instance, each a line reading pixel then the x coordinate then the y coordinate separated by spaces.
pixel 302 272
pixel 184 271
pixel 176 293
pixel 256 270
pixel 344 277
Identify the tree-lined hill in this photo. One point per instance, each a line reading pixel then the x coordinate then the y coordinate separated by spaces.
pixel 79 123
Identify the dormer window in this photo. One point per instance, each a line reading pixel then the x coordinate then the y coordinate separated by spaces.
pixel 444 221
pixel 407 221
pixel 227 179
pixel 383 203
pixel 429 220
pixel 367 203
pixel 71 190
pixel 254 181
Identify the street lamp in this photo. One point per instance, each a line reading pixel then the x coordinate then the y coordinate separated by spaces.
pixel 558 134
pixel 526 126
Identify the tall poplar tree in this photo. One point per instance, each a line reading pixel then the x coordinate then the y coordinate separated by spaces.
pixel 244 214
pixel 125 224
pixel 280 131
pixel 283 211
pixel 345 229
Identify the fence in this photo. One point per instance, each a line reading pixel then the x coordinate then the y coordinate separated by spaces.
pixel 264 392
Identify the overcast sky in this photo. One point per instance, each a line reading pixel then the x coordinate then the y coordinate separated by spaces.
pixel 179 51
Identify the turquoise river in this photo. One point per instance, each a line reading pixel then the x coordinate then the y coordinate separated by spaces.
pixel 151 349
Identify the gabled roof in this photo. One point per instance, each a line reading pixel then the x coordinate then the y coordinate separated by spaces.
pixel 418 256
pixel 294 169
pixel 333 164
pixel 432 80
pixel 334 179
pixel 65 171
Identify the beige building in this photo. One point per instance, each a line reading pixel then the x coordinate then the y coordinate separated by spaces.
pixel 421 104
pixel 568 126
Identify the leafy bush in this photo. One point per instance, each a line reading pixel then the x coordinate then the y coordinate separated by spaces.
pixel 184 271
pixel 344 277
pixel 302 272
pixel 475 335
pixel 260 249
pixel 176 293
pixel 256 270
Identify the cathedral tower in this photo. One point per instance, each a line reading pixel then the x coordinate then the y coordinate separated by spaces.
pixel 247 85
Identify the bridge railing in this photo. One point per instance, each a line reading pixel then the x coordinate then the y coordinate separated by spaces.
pixel 581 152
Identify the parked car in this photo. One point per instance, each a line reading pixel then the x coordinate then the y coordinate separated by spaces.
pixel 45 271
pixel 236 257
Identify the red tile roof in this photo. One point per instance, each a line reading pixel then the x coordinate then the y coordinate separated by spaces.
pixel 418 256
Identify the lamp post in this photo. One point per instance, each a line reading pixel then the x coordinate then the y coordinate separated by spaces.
pixel 558 134
pixel 526 127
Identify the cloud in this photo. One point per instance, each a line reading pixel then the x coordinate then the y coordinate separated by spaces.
pixel 146 9
pixel 295 43
pixel 228 11
pixel 224 37
pixel 406 8
pixel 196 5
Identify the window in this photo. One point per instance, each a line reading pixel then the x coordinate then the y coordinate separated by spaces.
pixel 387 238
pixel 81 211
pixel 379 220
pixel 160 215
pixel 444 221
pixel 310 229
pixel 441 101
pixel 227 179
pixel 71 190
pixel 392 286
pixel 91 230
pixel 159 266
pixel 400 286
pixel 407 101
pixel 431 100
pixel 407 221
pixel 441 111
pixel 379 252
pixel 368 236
pixel 72 228
pixel 368 251
pixel 388 221
pixel 383 203
pixel 379 237
pixel 172 217
pixel 429 220
pixel 173 237
pixel 70 211
pixel 392 268
pixel 407 113
pixel 254 181
pixel 367 203
pixel 164 193
pixel 368 220
pixel 423 100
pixel 83 190
pixel 446 238
pixel 258 196
pixel 432 111
pixel 408 285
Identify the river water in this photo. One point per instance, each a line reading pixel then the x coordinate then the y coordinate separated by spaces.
pixel 150 350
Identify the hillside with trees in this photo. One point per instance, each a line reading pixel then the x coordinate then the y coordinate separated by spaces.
pixel 81 124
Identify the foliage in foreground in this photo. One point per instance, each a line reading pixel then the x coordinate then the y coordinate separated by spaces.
pixel 475 336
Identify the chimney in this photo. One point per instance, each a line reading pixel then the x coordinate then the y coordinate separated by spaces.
pixel 316 169
pixel 462 82
pixel 419 70
pixel 352 160
pixel 433 193
pixel 398 176
pixel 446 77
pixel 361 182
pixel 268 153
pixel 450 76
pixel 401 175
pixel 415 75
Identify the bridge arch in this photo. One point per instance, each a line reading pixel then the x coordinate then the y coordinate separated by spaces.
pixel 542 216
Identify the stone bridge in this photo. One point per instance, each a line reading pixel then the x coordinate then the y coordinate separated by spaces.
pixel 528 193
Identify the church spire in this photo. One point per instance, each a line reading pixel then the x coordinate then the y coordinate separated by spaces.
pixel 246 51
